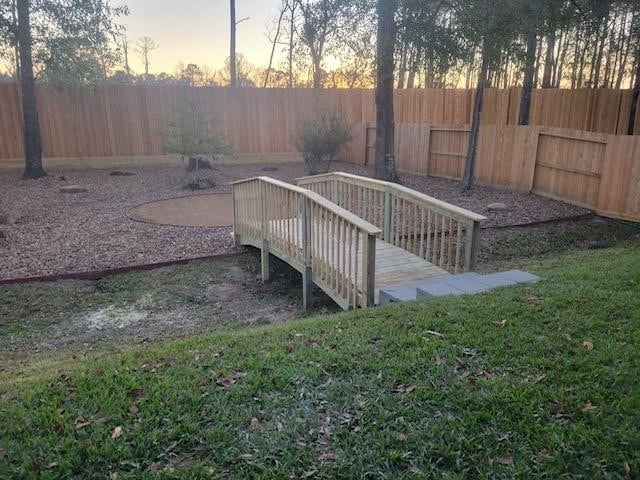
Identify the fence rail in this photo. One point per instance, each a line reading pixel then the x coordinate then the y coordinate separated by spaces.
pixel 126 120
pixel 329 245
pixel 441 233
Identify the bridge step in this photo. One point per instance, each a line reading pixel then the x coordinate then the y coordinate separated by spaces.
pixel 465 283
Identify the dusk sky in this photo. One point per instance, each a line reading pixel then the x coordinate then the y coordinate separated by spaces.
pixel 197 31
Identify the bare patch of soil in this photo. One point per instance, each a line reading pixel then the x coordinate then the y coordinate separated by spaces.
pixel 167 303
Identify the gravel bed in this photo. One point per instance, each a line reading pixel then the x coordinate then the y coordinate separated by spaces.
pixel 52 232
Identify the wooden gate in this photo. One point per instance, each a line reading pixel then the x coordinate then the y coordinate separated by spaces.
pixel 569 167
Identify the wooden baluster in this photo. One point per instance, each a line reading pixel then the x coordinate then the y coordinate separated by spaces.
pixel 355 272
pixel 458 244
pixel 442 240
pixel 350 270
pixel 434 245
pixel 343 269
pixel 422 242
pixel 450 239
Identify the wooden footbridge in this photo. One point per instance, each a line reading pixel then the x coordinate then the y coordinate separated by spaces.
pixel 353 235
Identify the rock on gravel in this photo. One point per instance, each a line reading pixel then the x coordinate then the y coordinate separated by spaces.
pixel 496 206
pixel 72 189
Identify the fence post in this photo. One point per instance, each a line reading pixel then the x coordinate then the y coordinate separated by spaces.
pixel 369 269
pixel 264 251
pixel 307 273
pixel 473 244
pixel 386 230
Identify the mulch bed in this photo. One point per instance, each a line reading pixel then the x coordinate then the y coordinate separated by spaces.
pixel 57 233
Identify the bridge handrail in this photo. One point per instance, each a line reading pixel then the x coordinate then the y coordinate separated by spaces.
pixel 330 245
pixel 429 227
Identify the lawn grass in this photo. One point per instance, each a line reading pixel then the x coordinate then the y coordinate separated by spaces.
pixel 530 381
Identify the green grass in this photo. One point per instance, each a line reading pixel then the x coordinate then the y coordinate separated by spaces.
pixel 533 381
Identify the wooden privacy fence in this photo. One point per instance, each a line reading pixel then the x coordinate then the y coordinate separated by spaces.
pixel 597 171
pixel 441 233
pixel 126 120
pixel 329 245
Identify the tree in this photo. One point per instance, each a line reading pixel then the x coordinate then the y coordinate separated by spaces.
pixel 490 25
pixel 144 46
pixel 233 80
pixel 385 168
pixel 31 127
pixel 66 41
pixel 191 131
pixel 532 14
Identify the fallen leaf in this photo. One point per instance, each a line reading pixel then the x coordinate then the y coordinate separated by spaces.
pixel 432 332
pixel 401 437
pixel 229 380
pixel 52 465
pixel 626 469
pixel 505 460
pixel 588 345
pixel 588 406
pixel 401 388
pixel 117 432
pixel 327 456
pixel 279 426
pixel 255 423
pixel 133 410
pixel 82 425
pixel 129 463
pixel 500 323
pixel 439 360
pixel 171 446
pixel 154 466
pixel 308 474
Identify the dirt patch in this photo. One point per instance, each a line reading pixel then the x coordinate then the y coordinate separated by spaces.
pixel 168 303
pixel 193 211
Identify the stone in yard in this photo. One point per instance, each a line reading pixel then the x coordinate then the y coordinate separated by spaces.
pixel 200 184
pixel 198 163
pixel 496 206
pixel 8 219
pixel 72 189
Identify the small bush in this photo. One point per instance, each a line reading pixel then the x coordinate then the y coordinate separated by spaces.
pixel 320 138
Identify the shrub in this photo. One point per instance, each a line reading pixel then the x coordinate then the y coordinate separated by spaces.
pixel 320 138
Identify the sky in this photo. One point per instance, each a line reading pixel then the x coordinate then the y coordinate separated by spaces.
pixel 197 31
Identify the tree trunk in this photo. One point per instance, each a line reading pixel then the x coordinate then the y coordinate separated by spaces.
pixel 233 75
pixel 548 60
pixel 32 139
pixel 472 147
pixel 385 167
pixel 273 49
pixel 292 22
pixel 527 82
pixel 634 97
pixel 16 51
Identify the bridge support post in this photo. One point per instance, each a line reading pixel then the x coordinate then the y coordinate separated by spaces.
pixel 307 273
pixel 265 261
pixel 307 288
